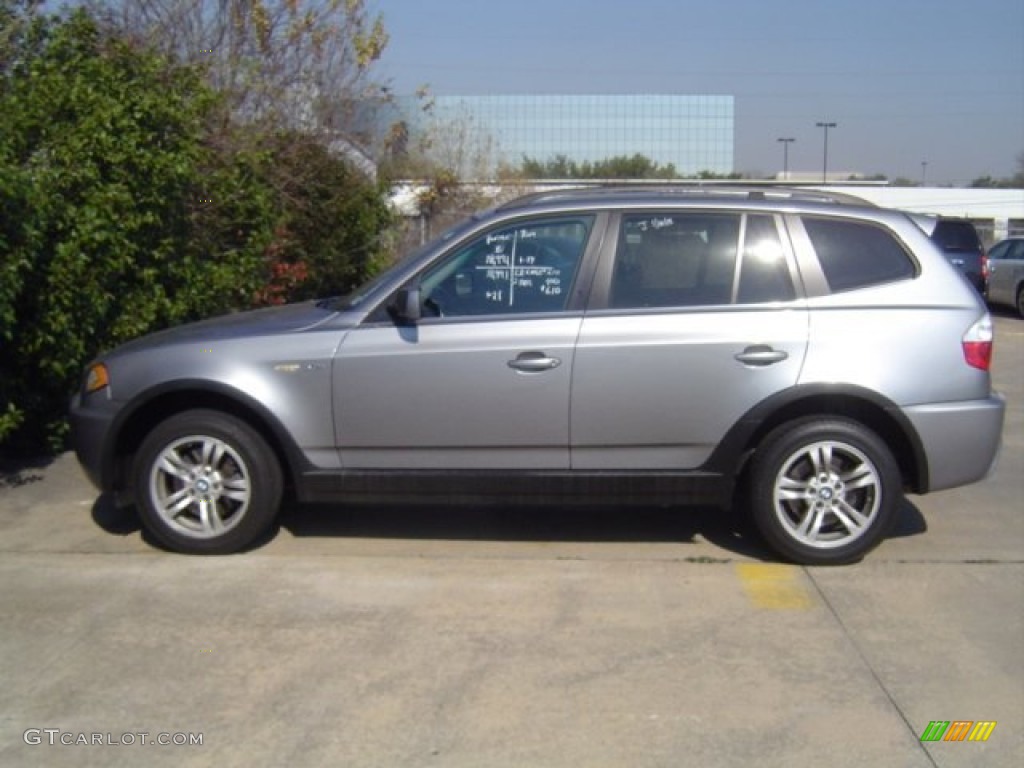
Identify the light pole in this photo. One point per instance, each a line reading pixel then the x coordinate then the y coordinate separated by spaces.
pixel 924 172
pixel 824 168
pixel 785 157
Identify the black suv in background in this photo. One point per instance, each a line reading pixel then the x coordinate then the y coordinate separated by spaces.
pixel 959 241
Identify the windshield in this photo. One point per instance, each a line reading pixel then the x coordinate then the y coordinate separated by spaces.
pixel 357 296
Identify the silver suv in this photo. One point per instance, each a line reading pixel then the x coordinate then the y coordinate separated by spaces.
pixel 796 354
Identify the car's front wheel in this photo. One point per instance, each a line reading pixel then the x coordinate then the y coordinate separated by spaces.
pixel 824 491
pixel 206 483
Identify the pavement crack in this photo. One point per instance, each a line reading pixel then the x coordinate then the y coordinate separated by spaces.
pixel 869 666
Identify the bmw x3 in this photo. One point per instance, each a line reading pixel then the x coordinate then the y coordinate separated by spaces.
pixel 802 356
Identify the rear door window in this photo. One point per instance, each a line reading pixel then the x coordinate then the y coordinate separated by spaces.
pixel 1001 251
pixel 1008 249
pixel 693 259
pixel 764 273
pixel 675 260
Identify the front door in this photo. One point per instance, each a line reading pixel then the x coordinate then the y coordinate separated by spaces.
pixel 482 380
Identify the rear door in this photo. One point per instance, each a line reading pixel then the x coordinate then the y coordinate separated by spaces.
pixel 697 319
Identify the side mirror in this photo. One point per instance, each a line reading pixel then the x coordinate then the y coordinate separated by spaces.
pixel 406 307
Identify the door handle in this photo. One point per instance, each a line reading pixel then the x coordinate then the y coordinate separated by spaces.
pixel 534 362
pixel 761 354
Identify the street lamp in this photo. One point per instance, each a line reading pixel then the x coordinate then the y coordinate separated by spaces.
pixel 785 157
pixel 824 169
pixel 924 172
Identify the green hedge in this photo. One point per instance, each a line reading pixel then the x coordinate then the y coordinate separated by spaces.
pixel 128 202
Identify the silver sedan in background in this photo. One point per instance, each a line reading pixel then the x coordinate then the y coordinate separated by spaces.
pixel 1006 274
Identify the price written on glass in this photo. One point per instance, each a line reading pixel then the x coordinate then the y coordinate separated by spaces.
pixel 513 261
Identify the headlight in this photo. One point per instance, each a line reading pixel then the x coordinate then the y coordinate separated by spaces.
pixel 96 378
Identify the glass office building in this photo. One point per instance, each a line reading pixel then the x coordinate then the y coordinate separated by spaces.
pixel 692 132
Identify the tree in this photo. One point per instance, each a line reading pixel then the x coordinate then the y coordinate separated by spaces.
pixel 299 64
pixel 441 155
pixel 16 18
pixel 1011 182
pixel 637 166
pixel 296 76
pixel 330 221
pixel 558 167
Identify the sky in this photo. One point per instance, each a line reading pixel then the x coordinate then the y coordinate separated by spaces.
pixel 906 81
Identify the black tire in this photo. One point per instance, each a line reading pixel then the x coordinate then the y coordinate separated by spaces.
pixel 206 482
pixel 1020 301
pixel 824 491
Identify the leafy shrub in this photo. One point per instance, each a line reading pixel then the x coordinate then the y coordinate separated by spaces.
pixel 130 201
pixel 102 189
pixel 329 225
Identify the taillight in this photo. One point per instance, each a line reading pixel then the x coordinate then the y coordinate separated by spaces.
pixel 977 343
pixel 984 265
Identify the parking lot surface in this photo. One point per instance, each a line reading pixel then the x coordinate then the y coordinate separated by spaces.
pixel 512 637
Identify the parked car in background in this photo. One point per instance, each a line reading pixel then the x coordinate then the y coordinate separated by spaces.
pixel 1006 274
pixel 961 245
pixel 796 354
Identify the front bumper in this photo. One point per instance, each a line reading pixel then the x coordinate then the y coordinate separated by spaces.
pixel 961 440
pixel 92 421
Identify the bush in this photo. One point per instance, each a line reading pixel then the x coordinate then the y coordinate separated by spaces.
pixel 101 190
pixel 129 201
pixel 330 222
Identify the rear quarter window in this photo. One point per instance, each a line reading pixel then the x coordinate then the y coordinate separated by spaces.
pixel 855 254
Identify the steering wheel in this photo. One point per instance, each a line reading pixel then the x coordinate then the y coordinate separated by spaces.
pixel 436 301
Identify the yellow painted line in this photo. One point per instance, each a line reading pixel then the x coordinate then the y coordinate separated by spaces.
pixel 775 587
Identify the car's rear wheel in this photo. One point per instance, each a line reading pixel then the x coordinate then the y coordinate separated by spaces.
pixel 1020 301
pixel 206 483
pixel 824 491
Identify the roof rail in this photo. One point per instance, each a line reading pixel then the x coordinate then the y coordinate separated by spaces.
pixel 669 191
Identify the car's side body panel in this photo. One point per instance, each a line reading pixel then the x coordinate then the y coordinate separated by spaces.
pixel 518 486
pixel 243 361
pixel 657 390
pixel 444 395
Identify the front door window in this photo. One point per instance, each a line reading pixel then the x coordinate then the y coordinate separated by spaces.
pixel 526 268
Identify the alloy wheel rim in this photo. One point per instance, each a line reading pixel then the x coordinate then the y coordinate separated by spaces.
pixel 200 486
pixel 827 494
